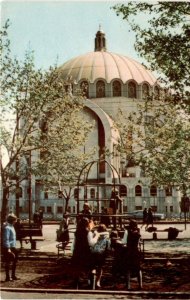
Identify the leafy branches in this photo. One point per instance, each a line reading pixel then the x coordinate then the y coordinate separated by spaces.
pixel 42 125
pixel 160 134
pixel 164 40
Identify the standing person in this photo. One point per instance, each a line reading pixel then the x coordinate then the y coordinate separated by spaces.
pixel 99 252
pixel 115 204
pixel 82 257
pixel 86 212
pixel 36 218
pixel 18 226
pixel 150 218
pixel 145 215
pixel 41 214
pixel 133 253
pixel 9 247
pixel 63 231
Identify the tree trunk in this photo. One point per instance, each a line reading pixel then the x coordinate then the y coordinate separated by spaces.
pixel 4 208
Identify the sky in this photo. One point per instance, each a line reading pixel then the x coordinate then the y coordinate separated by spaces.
pixel 60 30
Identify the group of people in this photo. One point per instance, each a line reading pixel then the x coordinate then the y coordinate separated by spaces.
pixel 92 243
pixel 148 218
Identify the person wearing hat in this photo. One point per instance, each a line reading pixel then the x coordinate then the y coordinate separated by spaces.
pixel 115 204
pixel 86 212
pixel 9 247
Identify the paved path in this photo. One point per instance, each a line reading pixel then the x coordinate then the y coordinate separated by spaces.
pixel 49 244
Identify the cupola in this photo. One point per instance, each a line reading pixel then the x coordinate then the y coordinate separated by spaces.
pixel 100 40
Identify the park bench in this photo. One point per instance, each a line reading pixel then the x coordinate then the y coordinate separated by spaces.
pixel 31 233
pixel 62 247
pixel 172 232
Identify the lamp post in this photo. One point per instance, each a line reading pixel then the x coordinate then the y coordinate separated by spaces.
pixel 29 162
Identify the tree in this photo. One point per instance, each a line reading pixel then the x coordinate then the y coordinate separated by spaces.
pixel 163 41
pixel 162 146
pixel 39 119
pixel 160 142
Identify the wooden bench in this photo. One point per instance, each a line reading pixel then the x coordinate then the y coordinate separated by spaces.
pixel 172 232
pixel 32 234
pixel 62 247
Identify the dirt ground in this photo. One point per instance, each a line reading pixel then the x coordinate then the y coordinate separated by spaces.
pixel 51 273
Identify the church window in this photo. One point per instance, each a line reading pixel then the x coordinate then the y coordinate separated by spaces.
pixel 153 190
pixel 49 209
pixel 132 91
pixel 145 90
pixel 92 193
pixel 156 92
pixel 19 192
pixel 138 190
pixel 76 193
pixel 43 125
pixel 46 195
pixel 123 190
pixel 85 88
pixel 100 89
pixel 168 191
pixel 59 209
pixel 116 89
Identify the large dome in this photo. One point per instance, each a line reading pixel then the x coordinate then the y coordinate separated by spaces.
pixel 105 65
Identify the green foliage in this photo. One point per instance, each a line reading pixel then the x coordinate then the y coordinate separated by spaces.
pixel 162 146
pixel 39 122
pixel 164 41
pixel 160 142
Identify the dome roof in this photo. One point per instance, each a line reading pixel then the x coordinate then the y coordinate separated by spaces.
pixel 101 64
pixel 107 66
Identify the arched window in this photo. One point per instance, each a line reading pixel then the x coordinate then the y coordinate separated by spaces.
pixel 59 209
pixel 85 88
pixel 138 190
pixel 100 89
pixel 145 90
pixel 168 191
pixel 156 92
pixel 46 195
pixel 92 193
pixel 153 190
pixel 132 91
pixel 123 190
pixel 76 193
pixel 43 125
pixel 19 192
pixel 116 88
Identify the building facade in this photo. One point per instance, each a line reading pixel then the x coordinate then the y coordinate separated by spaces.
pixel 110 82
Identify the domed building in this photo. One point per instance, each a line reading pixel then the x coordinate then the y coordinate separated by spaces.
pixel 110 82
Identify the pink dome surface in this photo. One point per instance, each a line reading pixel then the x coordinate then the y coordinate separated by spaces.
pixel 105 65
